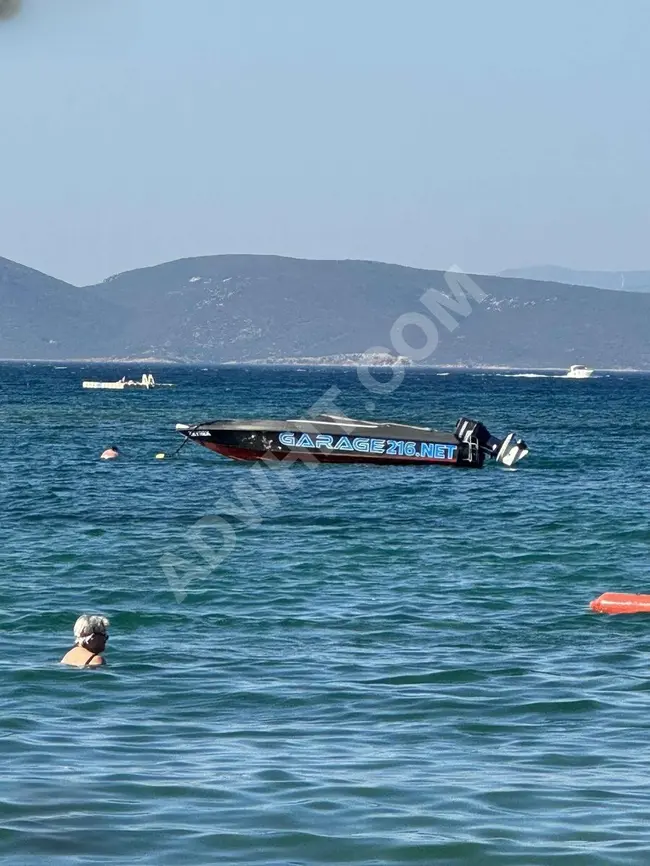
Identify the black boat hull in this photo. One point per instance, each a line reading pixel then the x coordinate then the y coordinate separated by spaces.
pixel 329 439
pixel 342 449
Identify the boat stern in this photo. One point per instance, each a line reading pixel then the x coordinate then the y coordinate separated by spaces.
pixel 481 443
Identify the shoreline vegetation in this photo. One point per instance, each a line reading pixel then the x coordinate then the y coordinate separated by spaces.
pixel 305 362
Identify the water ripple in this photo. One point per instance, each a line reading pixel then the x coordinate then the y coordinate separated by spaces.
pixel 393 666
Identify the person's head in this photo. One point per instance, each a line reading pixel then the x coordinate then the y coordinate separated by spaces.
pixel 90 632
pixel 115 448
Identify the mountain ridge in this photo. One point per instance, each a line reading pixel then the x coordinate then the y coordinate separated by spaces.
pixel 244 308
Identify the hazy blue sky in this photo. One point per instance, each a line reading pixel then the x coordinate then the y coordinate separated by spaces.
pixel 486 134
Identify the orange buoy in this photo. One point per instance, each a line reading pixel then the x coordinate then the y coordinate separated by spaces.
pixel 621 602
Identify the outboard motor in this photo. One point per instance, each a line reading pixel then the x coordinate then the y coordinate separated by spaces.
pixel 480 443
pixel 512 450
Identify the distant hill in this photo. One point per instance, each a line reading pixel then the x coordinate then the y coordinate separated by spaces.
pixel 215 309
pixel 629 281
pixel 41 317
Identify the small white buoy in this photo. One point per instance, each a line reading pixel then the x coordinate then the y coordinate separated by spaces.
pixel 160 455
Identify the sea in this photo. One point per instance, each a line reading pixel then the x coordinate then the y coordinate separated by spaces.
pixel 331 665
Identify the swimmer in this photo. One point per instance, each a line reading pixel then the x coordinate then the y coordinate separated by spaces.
pixel 110 453
pixel 90 641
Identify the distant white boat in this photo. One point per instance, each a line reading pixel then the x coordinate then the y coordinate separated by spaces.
pixel 578 371
pixel 147 382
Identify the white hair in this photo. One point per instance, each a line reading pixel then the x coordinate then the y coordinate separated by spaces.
pixel 87 625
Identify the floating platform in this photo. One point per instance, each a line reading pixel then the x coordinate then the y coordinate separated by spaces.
pixel 123 384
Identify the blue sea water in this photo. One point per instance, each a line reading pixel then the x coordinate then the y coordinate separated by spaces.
pixel 391 665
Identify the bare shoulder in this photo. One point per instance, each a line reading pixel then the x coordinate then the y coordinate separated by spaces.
pixel 81 661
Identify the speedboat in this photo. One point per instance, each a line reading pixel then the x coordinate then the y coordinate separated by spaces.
pixel 337 439
pixel 578 371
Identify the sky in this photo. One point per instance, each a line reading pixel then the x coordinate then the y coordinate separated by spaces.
pixel 432 133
